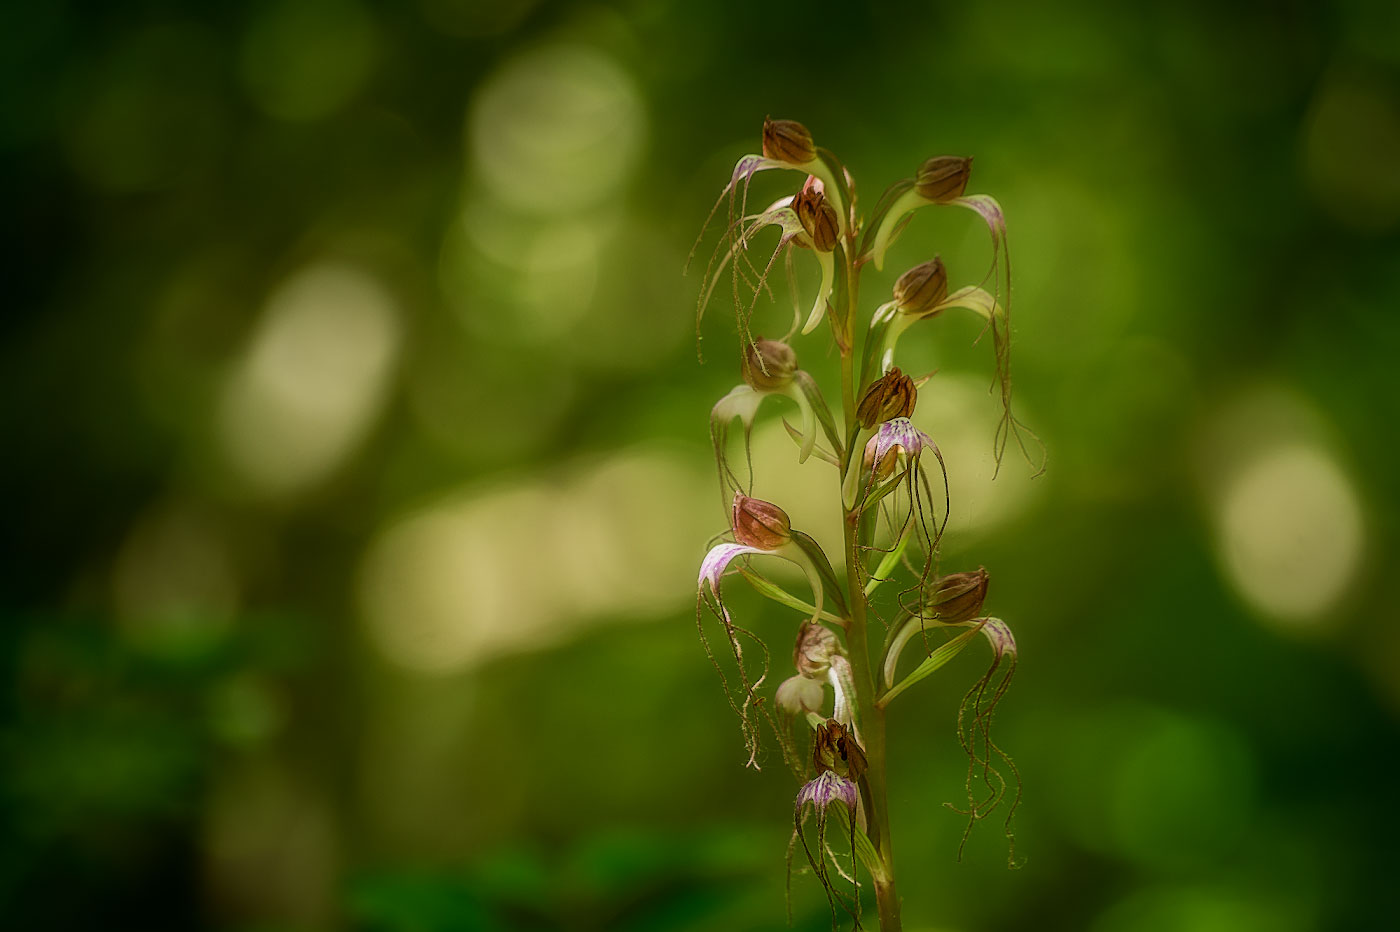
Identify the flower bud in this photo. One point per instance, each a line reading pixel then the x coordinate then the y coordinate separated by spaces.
pixel 836 750
pixel 817 215
pixel 943 178
pixel 922 288
pixel 798 695
pixel 787 141
pixel 759 524
pixel 815 647
pixel 893 395
pixel 769 365
pixel 957 597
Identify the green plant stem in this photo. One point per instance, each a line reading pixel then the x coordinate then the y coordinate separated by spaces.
pixel 871 717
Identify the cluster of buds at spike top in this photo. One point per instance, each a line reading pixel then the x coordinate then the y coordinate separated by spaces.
pixel 943 178
pixel 921 290
pixel 787 141
pixel 892 395
pixel 817 216
pixel 769 366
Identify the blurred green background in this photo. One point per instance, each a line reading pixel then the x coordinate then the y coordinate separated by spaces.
pixel 357 464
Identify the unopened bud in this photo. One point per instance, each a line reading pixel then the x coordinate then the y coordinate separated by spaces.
pixel 922 288
pixel 817 215
pixel 892 395
pixel 943 178
pixel 815 647
pixel 769 365
pixel 759 524
pixel 798 695
pixel 957 597
pixel 787 141
pixel 835 749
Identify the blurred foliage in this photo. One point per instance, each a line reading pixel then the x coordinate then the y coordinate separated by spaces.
pixel 357 468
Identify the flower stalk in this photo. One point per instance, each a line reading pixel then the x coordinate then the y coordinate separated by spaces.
pixel 892 522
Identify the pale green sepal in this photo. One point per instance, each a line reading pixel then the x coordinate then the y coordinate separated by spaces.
pixel 817 451
pixel 875 338
pixel 827 262
pixel 885 488
pixel 899 635
pixel 850 482
pixel 930 665
pixel 865 848
pixel 887 564
pixel 772 591
pixel 813 551
pixel 972 298
pixel 828 170
pixel 808 386
pixel 809 421
pixel 837 183
pixel 884 234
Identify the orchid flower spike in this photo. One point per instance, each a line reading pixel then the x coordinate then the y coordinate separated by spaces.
pixel 759 528
pixel 769 368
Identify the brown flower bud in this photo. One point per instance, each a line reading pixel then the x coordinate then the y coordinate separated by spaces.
pixel 922 288
pixel 957 597
pixel 817 215
pixel 759 524
pixel 815 647
pixel 943 178
pixel 769 365
pixel 834 748
pixel 891 396
pixel 787 141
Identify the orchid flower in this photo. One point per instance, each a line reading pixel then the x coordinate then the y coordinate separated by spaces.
pixel 840 763
pixel 899 440
pixel 760 529
pixel 953 601
pixel 806 220
pixel 816 218
pixel 769 369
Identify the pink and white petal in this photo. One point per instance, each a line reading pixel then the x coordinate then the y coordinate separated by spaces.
pixel 718 560
pixel 999 635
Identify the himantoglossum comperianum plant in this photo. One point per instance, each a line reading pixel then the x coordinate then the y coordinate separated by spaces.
pixel 891 487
